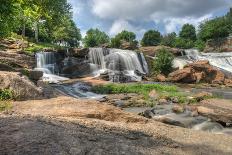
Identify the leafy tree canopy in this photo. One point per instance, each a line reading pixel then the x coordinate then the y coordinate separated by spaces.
pixel 95 37
pixel 151 38
pixel 188 32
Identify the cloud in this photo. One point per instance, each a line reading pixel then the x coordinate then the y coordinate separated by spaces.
pixel 167 16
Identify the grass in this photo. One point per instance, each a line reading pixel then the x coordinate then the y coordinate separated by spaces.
pixel 6 96
pixel 35 47
pixel 163 91
pixel 5 105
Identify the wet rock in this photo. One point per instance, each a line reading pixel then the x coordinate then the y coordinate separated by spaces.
pixel 78 70
pixel 178 109
pixel 35 75
pixel 209 126
pixel 79 52
pixel 218 110
pixel 119 103
pixel 148 114
pixel 163 101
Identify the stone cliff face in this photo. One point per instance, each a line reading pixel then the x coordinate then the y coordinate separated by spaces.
pixel 219 45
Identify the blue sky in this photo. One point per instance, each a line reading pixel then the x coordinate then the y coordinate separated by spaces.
pixel 113 16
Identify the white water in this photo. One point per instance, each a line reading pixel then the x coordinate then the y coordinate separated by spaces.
pixel 116 62
pixel 222 61
pixel 46 63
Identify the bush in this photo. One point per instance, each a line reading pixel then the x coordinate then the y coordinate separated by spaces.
pixel 6 94
pixel 200 45
pixel 163 62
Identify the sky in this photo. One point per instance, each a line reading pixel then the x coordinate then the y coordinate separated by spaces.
pixel 113 16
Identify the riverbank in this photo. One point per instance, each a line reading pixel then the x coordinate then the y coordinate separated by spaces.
pixel 67 125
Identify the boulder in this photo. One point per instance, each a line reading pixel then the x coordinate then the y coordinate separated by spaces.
pixel 218 110
pixel 35 75
pixel 160 78
pixel 79 52
pixel 5 67
pixel 185 75
pixel 21 86
pixel 178 109
pixel 200 71
pixel 78 70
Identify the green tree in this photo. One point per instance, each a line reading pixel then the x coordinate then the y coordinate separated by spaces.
pixel 8 11
pixel 95 37
pixel 126 36
pixel 151 38
pixel 188 32
pixel 163 62
pixel 169 39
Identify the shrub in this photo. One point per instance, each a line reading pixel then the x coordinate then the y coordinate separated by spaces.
pixel 200 45
pixel 163 62
pixel 6 94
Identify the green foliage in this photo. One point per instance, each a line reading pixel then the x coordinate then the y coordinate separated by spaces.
pixel 132 88
pixel 163 62
pixel 44 20
pixel 35 47
pixel 95 38
pixel 7 17
pixel 200 45
pixel 183 43
pixel 151 38
pixel 169 39
pixel 216 28
pixel 6 94
pixel 124 36
pixel 5 105
pixel 188 32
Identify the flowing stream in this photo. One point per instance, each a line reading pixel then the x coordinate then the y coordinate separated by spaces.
pixel 223 61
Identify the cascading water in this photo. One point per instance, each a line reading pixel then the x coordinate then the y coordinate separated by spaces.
pixel 46 62
pixel 222 61
pixel 118 63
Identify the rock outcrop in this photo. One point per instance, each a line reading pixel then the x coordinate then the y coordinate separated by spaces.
pixel 218 110
pixel 219 45
pixel 200 71
pixel 153 50
pixel 17 60
pixel 21 86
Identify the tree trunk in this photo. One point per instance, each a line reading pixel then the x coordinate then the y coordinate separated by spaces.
pixel 36 32
pixel 24 30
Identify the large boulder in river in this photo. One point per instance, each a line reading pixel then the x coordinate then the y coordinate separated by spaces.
pixel 200 71
pixel 21 86
pixel 78 70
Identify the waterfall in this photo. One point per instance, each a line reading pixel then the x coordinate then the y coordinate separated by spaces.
pixel 46 62
pixel 222 60
pixel 118 63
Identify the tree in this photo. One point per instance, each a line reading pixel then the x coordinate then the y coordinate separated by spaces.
pixel 188 32
pixel 67 32
pixel 151 38
pixel 7 17
pixel 169 39
pixel 95 37
pixel 124 36
pixel 163 62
